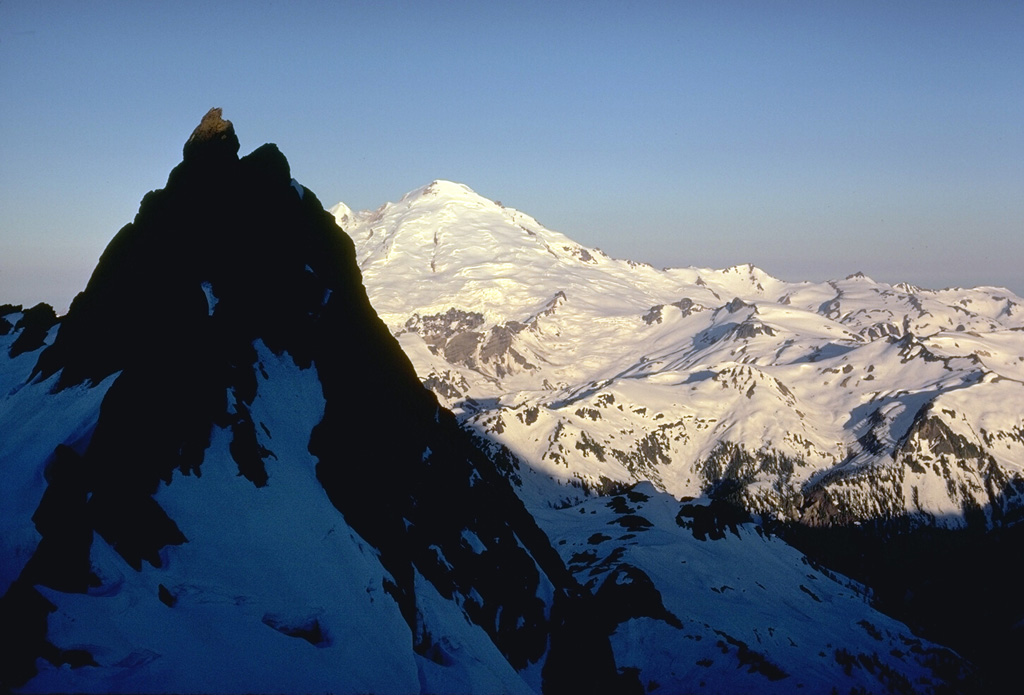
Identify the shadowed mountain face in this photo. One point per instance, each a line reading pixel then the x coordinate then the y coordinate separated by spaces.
pixel 231 266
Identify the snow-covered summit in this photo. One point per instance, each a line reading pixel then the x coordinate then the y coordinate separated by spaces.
pixel 443 245
pixel 813 396
pixel 445 190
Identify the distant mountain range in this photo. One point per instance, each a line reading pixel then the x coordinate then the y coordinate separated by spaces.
pixel 223 474
pixel 826 403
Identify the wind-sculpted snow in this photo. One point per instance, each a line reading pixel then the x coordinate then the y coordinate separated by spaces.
pixel 798 400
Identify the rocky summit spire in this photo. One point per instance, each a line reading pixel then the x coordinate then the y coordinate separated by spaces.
pixel 212 135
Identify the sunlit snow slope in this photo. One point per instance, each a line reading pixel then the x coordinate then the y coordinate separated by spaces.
pixel 828 402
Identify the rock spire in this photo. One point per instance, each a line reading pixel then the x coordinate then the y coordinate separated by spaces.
pixel 213 134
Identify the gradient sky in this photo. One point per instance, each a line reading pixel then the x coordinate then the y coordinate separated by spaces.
pixel 813 139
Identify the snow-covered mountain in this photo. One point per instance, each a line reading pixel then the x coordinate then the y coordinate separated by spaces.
pixel 826 402
pixel 221 474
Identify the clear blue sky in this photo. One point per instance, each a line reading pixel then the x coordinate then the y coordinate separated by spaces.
pixel 813 139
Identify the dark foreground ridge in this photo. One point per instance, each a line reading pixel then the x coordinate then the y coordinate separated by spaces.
pixel 233 253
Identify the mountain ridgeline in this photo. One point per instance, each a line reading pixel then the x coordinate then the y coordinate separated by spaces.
pixel 232 268
pixel 826 403
pixel 224 474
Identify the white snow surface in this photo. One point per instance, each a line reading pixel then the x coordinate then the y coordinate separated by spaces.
pixel 745 613
pixel 591 369
pixel 259 563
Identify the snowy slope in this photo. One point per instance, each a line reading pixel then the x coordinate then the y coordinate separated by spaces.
pixel 718 606
pixel 30 431
pixel 302 610
pixel 808 399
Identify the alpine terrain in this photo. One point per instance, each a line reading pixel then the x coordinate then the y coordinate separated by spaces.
pixel 879 427
pixel 849 400
pixel 222 473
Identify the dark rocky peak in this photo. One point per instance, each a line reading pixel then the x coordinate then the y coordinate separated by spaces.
pixel 227 254
pixel 33 325
pixel 213 137
pixel 227 248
